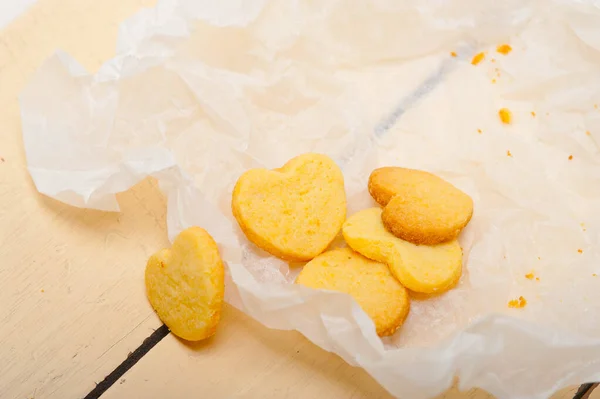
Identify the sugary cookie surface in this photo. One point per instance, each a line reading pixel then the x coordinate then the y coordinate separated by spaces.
pixel 419 206
pixel 420 268
pixel 186 284
pixel 370 283
pixel 293 212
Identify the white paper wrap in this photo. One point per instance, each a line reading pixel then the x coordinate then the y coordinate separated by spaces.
pixel 201 91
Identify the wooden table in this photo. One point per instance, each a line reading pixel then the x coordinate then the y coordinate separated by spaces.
pixel 72 302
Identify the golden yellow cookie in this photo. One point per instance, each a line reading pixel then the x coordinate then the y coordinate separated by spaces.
pixel 420 268
pixel 185 285
pixel 293 212
pixel 370 283
pixel 419 206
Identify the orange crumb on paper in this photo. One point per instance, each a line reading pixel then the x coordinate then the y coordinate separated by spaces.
pixel 570 157
pixel 517 303
pixel 493 80
pixel 479 131
pixel 588 133
pixel 505 115
pixel 594 275
pixel 508 153
pixel 504 49
pixel 596 106
pixel 453 53
pixel 580 250
pixel 42 290
pixel 533 113
pixel 478 58
pixel 530 276
pixel 537 279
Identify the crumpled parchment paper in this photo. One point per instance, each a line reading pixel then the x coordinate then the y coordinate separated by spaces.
pixel 200 91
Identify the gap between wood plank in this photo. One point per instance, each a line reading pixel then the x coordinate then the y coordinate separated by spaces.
pixel 585 390
pixel 128 363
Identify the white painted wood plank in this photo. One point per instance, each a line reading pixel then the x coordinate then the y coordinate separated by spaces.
pixel 72 301
pixel 244 360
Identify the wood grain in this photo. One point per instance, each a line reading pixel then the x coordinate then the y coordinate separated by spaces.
pixel 72 303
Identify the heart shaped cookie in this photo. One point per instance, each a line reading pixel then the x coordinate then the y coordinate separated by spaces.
pixel 185 285
pixel 420 268
pixel 293 212
pixel 419 206
pixel 370 283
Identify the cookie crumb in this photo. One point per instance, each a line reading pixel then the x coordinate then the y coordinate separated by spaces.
pixel 493 80
pixel 588 133
pixel 479 131
pixel 504 49
pixel 533 113
pixel 596 106
pixel 529 276
pixel 570 157
pixel 594 275
pixel 580 250
pixel 453 54
pixel 505 115
pixel 508 153
pixel 517 303
pixel 42 290
pixel 478 58
pixel 537 279
pixel 539 258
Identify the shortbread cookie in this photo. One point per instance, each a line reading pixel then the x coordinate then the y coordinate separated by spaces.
pixel 370 283
pixel 420 268
pixel 185 285
pixel 293 212
pixel 419 206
